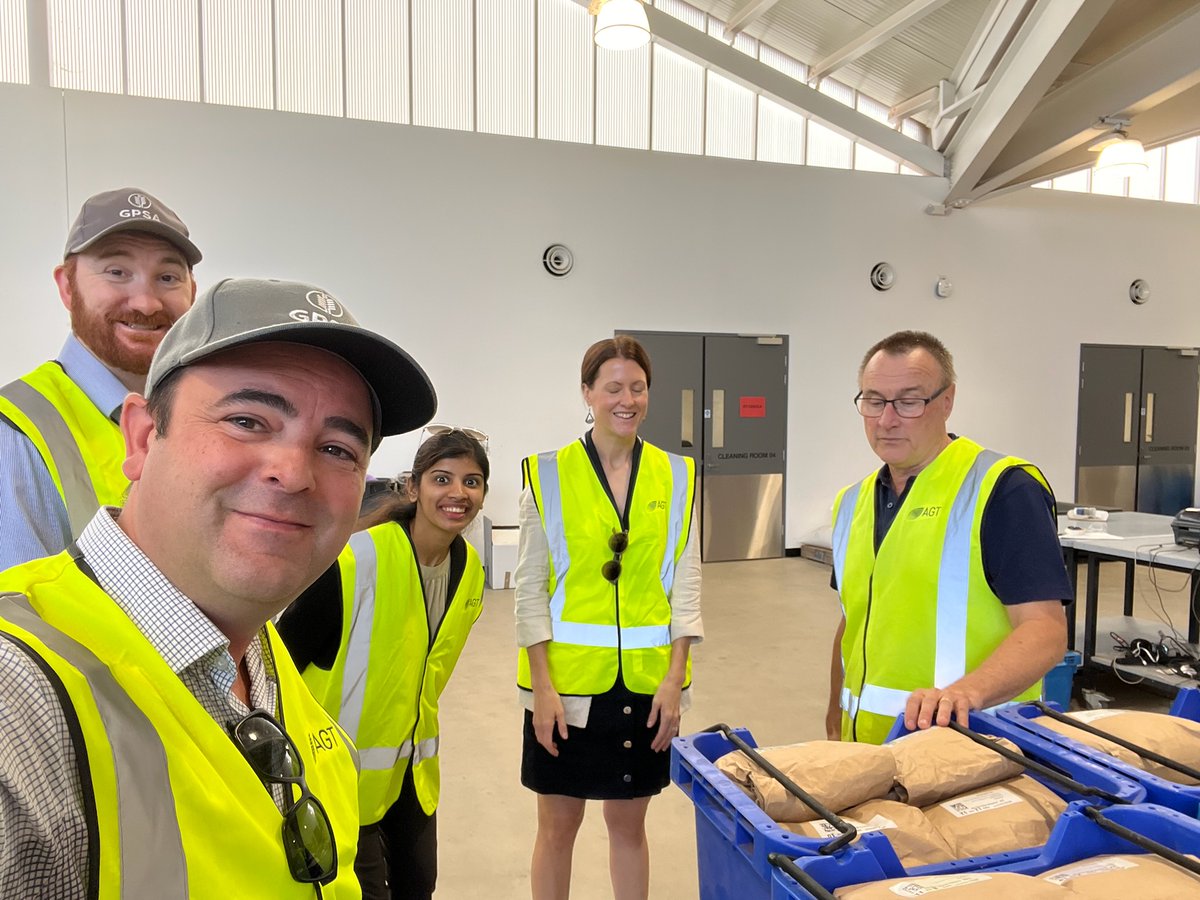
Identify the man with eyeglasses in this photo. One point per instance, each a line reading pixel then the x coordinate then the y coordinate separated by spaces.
pixel 156 739
pixel 126 276
pixel 946 560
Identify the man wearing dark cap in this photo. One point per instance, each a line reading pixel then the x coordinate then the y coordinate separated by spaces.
pixel 155 737
pixel 126 276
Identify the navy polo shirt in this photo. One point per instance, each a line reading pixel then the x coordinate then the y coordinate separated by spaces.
pixel 1022 558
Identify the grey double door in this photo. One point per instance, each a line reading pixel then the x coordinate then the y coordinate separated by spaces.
pixel 722 400
pixel 1136 445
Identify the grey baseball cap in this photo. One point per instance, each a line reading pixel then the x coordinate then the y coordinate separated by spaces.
pixel 128 209
pixel 240 311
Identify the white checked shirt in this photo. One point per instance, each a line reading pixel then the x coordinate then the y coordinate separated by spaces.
pixel 43 833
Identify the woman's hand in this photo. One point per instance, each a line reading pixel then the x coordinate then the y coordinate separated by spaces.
pixel 548 716
pixel 664 710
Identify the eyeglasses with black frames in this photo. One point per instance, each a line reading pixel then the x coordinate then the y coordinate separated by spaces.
pixel 906 407
pixel 435 428
pixel 308 840
pixel 617 543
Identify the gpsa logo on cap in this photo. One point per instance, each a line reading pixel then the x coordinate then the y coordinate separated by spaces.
pixel 140 208
pixel 139 201
pixel 329 309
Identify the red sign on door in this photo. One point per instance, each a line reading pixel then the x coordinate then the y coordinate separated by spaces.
pixel 753 407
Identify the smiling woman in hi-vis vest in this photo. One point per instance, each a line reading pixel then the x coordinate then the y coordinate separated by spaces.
pixel 607 607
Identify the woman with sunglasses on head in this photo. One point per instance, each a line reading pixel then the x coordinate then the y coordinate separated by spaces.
pixel 607 607
pixel 377 637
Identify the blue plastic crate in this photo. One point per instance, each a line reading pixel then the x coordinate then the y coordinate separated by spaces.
pixel 1075 837
pixel 1056 686
pixel 1184 798
pixel 734 837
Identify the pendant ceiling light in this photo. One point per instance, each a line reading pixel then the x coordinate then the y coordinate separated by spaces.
pixel 620 24
pixel 1120 155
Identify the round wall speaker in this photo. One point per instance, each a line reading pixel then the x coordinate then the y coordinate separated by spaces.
pixel 1139 291
pixel 558 260
pixel 883 276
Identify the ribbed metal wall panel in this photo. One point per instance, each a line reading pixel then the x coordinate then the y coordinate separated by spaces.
pixel 443 63
pixel 780 133
pixel 14 42
pixel 678 103
pixel 238 52
pixel 623 98
pixel 162 41
pixel 308 53
pixel 504 60
pixel 840 92
pixel 684 12
pixel 729 119
pixel 741 41
pixel 566 64
pixel 793 68
pixel 85 45
pixel 377 57
pixel 1183 165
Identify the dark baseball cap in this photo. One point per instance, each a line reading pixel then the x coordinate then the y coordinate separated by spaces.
pixel 128 209
pixel 240 311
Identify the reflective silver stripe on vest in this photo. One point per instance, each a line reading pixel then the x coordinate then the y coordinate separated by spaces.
pixel 841 532
pixel 381 759
pixel 560 559
pixel 954 576
pixel 358 649
pixel 679 494
pixel 426 749
pixel 79 495
pixel 881 701
pixel 152 859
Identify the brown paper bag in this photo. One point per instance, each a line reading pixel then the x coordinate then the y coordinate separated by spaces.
pixel 963 886
pixel 915 840
pixel 1171 736
pixel 836 773
pixel 1141 876
pixel 1011 815
pixel 937 763
pixel 1090 740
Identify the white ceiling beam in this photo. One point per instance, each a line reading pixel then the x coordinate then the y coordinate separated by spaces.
pixel 1156 68
pixel 1050 36
pixel 927 99
pixel 744 14
pixel 771 83
pixel 874 37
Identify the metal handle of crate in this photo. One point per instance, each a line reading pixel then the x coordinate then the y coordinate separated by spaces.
pixel 847 832
pixel 1143 752
pixel 806 881
pixel 1045 771
pixel 1140 840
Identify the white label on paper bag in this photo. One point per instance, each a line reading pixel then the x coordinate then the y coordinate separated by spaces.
pixel 919 887
pixel 1091 867
pixel 877 823
pixel 1088 716
pixel 980 802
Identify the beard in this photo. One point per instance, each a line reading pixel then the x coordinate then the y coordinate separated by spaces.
pixel 98 332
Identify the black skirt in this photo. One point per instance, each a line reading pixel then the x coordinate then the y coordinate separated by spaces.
pixel 609 759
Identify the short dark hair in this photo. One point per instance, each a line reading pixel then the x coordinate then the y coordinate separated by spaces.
pixel 903 342
pixel 390 506
pixel 161 402
pixel 620 347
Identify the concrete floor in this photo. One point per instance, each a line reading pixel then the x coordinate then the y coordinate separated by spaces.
pixel 764 665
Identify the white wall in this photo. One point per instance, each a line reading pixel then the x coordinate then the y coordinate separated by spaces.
pixel 435 238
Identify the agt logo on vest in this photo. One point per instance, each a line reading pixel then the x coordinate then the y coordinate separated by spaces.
pixel 474 601
pixel 328 308
pixel 925 512
pixel 656 504
pixel 325 739
pixel 140 208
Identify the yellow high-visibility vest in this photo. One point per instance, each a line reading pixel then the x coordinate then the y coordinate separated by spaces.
pixel 920 613
pixel 176 809
pixel 81 446
pixel 389 673
pixel 598 627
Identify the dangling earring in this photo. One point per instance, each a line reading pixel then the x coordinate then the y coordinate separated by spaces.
pixel 589 418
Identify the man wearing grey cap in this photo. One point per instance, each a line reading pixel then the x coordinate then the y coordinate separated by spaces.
pixel 126 276
pixel 156 739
